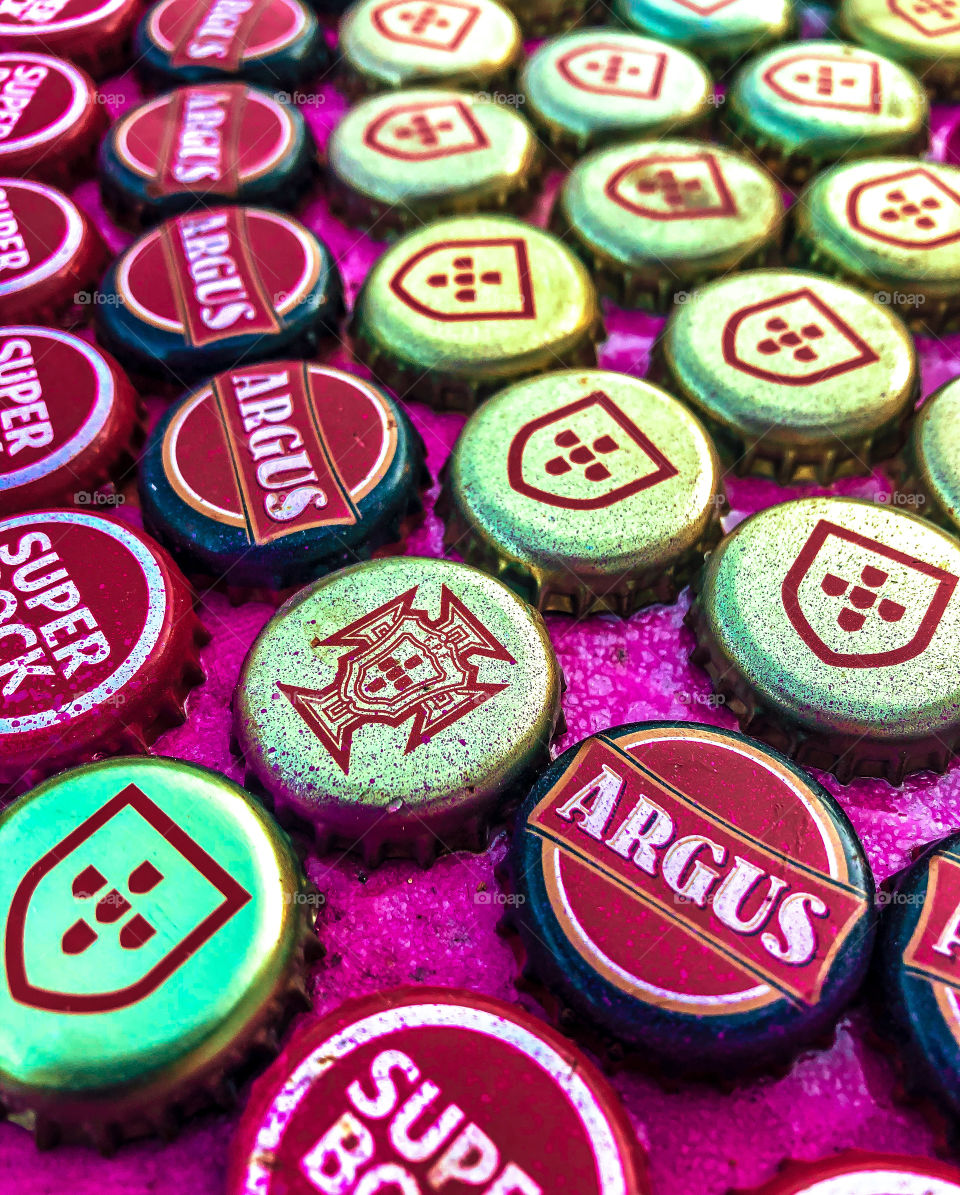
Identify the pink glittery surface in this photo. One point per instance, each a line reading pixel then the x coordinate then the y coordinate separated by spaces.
pixel 400 925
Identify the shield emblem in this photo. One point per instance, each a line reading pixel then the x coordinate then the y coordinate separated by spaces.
pixel 704 8
pixel 392 680
pixel 584 456
pixel 99 922
pixel 794 339
pixel 608 69
pixel 913 209
pixel 439 25
pixel 422 132
pixel 857 603
pixel 827 81
pixel 932 18
pixel 468 280
pixel 672 187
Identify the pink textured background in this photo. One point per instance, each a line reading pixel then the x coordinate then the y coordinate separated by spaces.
pixel 401 925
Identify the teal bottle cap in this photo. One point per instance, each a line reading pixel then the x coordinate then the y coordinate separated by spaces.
pixel 399 706
pixel 598 86
pixel 396 161
pixel 832 627
pixel 391 44
pixel 584 491
pixel 466 305
pixel 721 32
pixel 156 931
pixel 803 106
pixel 798 378
pixel 656 219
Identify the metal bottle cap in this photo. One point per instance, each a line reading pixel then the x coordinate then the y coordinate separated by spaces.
pixel 833 627
pixel 210 290
pixel 206 144
pixel 655 218
pixel 399 705
pixel 931 465
pixel 92 34
pixel 796 377
pixel 389 44
pixel 274 474
pixel 721 32
pixel 892 227
pixel 155 936
pixel 70 419
pixel 51 119
pixel 916 988
pixel 274 43
pixel 396 161
pixel 598 86
pixel 465 306
pixel 859 1173
pixel 99 646
pixel 510 1085
pixel 925 38
pixel 806 105
pixel 584 491
pixel 693 895
pixel 51 256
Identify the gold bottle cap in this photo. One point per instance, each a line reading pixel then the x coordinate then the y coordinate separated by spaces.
pixel 584 491
pixel 890 226
pixel 832 626
pixel 924 35
pixel 721 32
pixel 465 306
pixel 806 105
pixel 652 219
pixel 932 458
pixel 390 44
pixel 798 378
pixel 396 161
pixel 599 86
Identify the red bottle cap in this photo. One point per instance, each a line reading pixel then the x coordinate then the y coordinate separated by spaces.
pixel 50 119
pixel 98 643
pixel 51 256
pixel 68 417
pixel 93 34
pixel 512 1107
pixel 857 1173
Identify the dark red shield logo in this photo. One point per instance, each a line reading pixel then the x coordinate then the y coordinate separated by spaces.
pixel 932 18
pixel 113 910
pixel 400 665
pixel 468 280
pixel 672 187
pixel 433 24
pixel 426 131
pixel 913 209
pixel 828 81
pixel 858 603
pixel 794 338
pixel 586 455
pixel 605 68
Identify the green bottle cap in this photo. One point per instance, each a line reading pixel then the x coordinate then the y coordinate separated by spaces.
pixel 721 32
pixel 806 105
pixel 599 86
pixel 156 934
pixel 400 706
pixel 798 378
pixel 922 34
pixel 396 161
pixel 931 464
pixel 652 219
pixel 389 44
pixel 465 306
pixel 832 627
pixel 892 227
pixel 584 491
